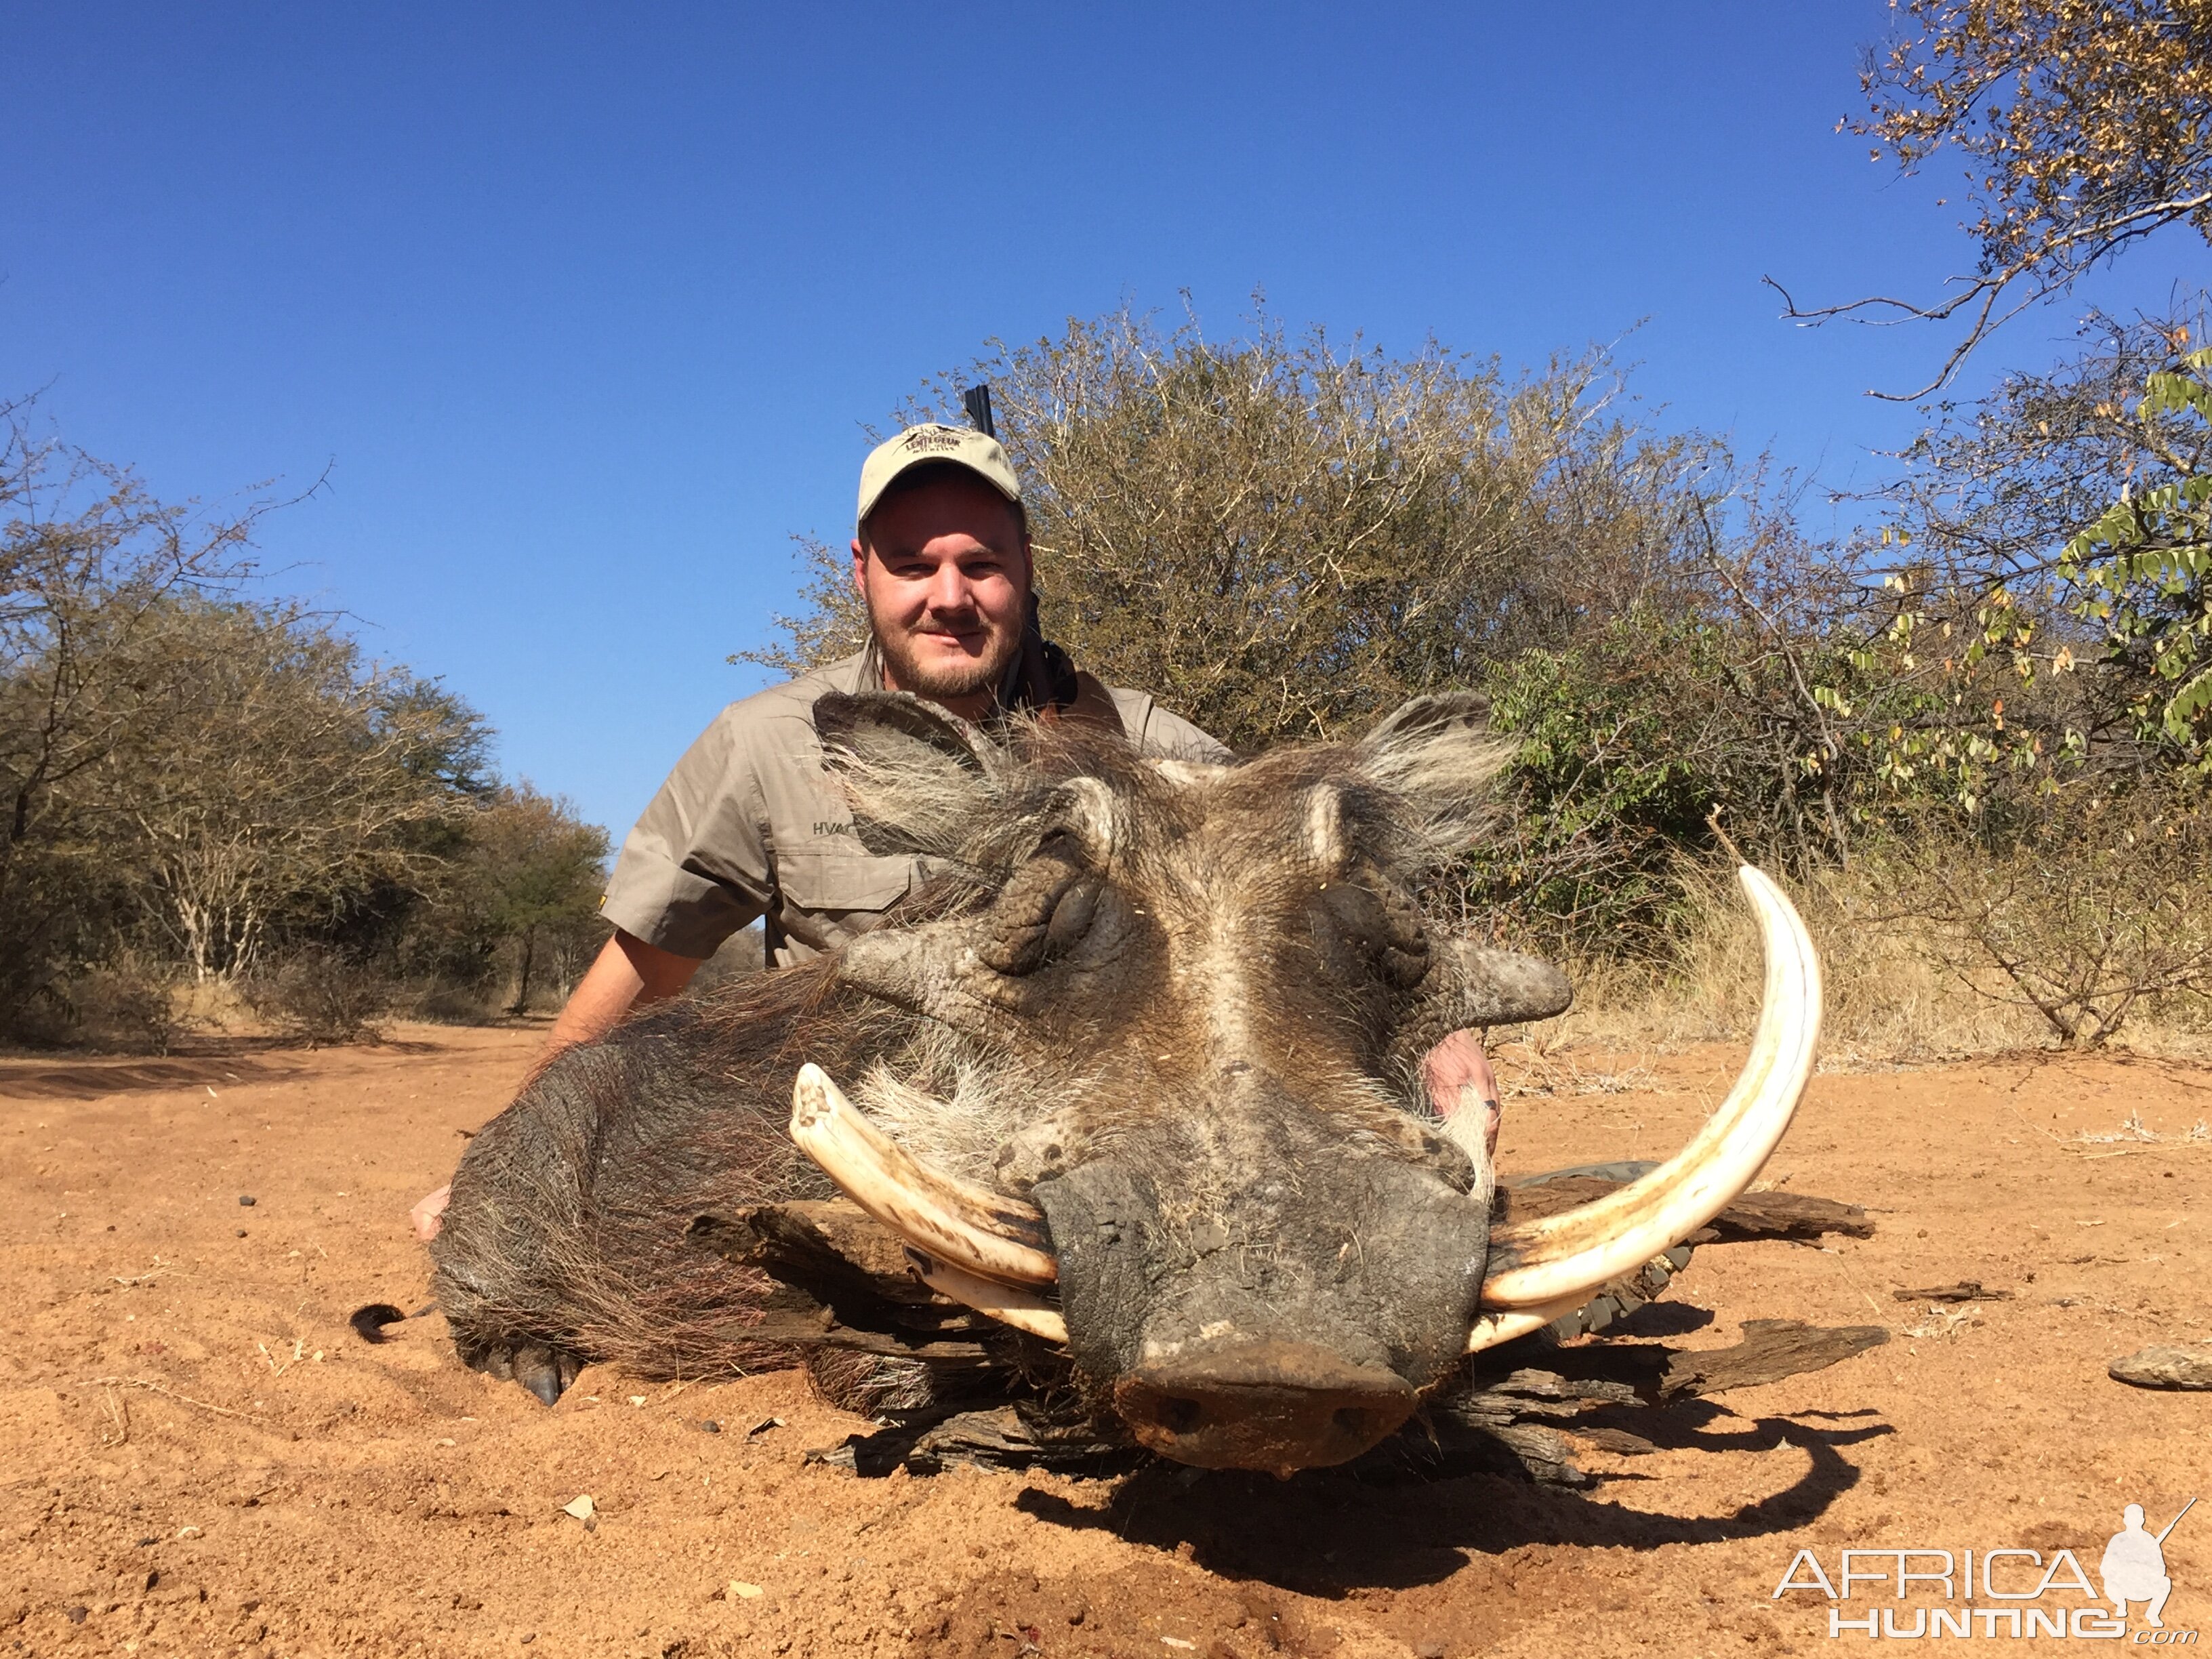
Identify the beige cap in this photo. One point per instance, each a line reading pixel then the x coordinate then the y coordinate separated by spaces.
pixel 962 447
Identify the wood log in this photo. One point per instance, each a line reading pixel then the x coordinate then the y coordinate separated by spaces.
pixel 1799 1216
pixel 1966 1290
pixel 1521 1409
pixel 1020 1436
pixel 1772 1349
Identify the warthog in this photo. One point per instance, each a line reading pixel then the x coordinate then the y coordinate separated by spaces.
pixel 1137 1073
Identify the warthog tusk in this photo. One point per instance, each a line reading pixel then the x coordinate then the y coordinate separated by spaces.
pixel 1493 1328
pixel 959 1225
pixel 1020 1309
pixel 1540 1264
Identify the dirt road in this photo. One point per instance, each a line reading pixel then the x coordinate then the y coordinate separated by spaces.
pixel 197 1456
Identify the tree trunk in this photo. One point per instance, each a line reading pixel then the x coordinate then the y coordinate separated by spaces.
pixel 529 953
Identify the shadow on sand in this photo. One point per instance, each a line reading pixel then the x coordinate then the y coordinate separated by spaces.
pixel 1328 1533
pixel 197 1062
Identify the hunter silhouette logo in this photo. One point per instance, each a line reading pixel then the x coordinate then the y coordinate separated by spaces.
pixel 2007 1592
pixel 2134 1567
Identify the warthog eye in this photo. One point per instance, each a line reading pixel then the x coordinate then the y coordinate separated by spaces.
pixel 1045 912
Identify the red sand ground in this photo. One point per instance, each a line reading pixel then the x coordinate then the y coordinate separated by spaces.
pixel 197 1456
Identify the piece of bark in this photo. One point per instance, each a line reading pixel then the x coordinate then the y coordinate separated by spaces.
pixel 2163 1366
pixel 1772 1349
pixel 1966 1290
pixel 1517 1412
pixel 1620 1296
pixel 813 1325
pixel 1798 1216
pixel 1503 1424
pixel 1564 1386
pixel 1445 1448
pixel 1006 1437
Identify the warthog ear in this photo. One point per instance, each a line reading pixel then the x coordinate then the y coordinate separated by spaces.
pixel 914 776
pixel 1436 754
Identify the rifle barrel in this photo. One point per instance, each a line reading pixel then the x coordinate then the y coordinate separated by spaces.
pixel 2176 1521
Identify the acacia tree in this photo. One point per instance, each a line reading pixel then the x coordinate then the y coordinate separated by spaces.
pixel 92 571
pixel 282 776
pixel 2085 126
pixel 541 869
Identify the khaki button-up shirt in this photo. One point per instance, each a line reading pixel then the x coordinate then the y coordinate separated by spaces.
pixel 750 824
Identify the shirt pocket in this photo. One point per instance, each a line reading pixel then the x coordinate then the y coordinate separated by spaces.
pixel 838 884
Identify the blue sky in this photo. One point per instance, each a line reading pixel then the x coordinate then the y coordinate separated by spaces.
pixel 586 309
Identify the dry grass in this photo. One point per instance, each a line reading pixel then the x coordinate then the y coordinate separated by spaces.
pixel 1890 1000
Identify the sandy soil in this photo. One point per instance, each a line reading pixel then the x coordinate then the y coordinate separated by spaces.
pixel 197 1455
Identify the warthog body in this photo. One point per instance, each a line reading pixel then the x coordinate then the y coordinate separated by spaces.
pixel 1180 1009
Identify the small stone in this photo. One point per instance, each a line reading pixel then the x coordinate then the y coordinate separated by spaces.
pixel 2164 1367
pixel 741 1591
pixel 76 1615
pixel 708 1425
pixel 582 1507
pixel 241 1233
pixel 246 1200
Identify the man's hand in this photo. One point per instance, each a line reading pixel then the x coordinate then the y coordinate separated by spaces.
pixel 1458 1076
pixel 429 1214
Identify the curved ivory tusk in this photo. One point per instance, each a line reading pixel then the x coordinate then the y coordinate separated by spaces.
pixel 1493 1328
pixel 959 1225
pixel 1020 1309
pixel 1564 1258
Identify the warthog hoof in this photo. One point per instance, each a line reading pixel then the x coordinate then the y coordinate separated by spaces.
pixel 540 1367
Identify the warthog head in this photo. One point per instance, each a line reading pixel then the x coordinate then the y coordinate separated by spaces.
pixel 1173 1017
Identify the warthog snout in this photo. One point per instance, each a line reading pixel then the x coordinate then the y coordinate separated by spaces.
pixel 1262 1292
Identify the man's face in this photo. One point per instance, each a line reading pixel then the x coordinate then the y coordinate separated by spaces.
pixel 945 569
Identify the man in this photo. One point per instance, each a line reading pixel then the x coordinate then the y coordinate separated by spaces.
pixel 750 825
